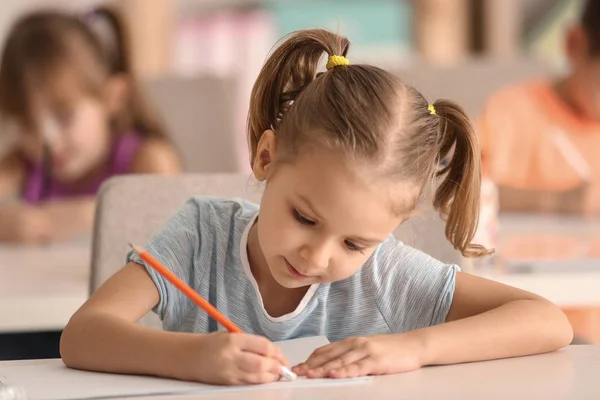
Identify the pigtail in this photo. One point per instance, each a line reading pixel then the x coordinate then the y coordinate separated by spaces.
pixel 289 69
pixel 457 197
pixel 111 31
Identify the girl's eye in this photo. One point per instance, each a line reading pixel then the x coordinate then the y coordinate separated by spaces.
pixel 302 219
pixel 444 162
pixel 353 247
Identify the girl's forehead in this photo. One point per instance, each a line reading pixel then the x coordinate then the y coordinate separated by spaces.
pixel 58 87
pixel 335 181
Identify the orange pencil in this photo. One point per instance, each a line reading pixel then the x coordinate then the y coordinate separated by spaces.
pixel 196 298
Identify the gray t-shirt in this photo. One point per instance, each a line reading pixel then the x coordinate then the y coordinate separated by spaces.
pixel 397 290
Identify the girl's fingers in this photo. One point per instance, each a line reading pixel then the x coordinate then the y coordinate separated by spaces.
pixel 262 346
pixel 255 344
pixel 254 363
pixel 327 353
pixel 300 369
pixel 343 360
pixel 360 368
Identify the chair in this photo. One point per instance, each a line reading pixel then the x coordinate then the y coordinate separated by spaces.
pixel 130 208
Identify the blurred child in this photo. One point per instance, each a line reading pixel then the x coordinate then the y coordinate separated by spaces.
pixel 346 155
pixel 68 91
pixel 541 139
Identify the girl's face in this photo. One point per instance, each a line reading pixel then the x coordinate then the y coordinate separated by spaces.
pixel 320 220
pixel 75 128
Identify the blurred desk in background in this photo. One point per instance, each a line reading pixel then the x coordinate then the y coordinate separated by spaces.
pixel 556 242
pixel 41 287
pixel 565 289
pixel 557 257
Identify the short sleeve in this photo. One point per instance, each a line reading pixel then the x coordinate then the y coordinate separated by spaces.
pixel 412 289
pixel 175 245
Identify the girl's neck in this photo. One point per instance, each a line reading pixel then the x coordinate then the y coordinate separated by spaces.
pixel 566 90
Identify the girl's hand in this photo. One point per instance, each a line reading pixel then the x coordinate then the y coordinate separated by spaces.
pixel 360 356
pixel 22 223
pixel 234 359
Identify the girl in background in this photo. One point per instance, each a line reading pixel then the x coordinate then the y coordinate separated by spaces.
pixel 68 92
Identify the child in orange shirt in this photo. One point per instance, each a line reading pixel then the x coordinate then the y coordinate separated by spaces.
pixel 540 144
pixel 540 140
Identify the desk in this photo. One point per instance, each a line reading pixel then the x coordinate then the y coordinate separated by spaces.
pixel 565 289
pixel 41 287
pixel 562 254
pixel 571 373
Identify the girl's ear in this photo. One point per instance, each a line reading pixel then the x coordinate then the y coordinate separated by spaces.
pixel 116 92
pixel 265 154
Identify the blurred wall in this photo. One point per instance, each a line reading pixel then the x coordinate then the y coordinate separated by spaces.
pixel 11 9
pixel 547 41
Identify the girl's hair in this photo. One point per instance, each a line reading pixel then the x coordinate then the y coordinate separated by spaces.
pixel 48 48
pixel 373 117
pixel 590 21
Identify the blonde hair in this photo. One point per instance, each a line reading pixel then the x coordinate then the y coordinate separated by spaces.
pixel 44 43
pixel 373 116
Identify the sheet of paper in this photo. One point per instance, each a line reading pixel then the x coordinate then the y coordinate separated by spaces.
pixel 298 350
pixel 51 380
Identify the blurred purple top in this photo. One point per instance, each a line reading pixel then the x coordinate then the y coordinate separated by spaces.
pixel 39 187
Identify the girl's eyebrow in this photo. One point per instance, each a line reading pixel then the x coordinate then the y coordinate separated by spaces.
pixel 366 241
pixel 371 241
pixel 309 205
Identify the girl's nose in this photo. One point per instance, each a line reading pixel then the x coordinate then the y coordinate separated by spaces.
pixel 50 132
pixel 316 254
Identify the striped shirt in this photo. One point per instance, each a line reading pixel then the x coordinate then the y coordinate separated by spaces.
pixel 398 289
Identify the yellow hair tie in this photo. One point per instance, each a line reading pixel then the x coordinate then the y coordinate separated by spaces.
pixel 431 109
pixel 334 61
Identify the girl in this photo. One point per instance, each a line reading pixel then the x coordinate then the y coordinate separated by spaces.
pixel 68 92
pixel 346 155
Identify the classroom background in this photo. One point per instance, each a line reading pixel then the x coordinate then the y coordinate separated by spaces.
pixel 198 60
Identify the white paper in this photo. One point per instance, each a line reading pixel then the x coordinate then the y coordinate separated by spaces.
pixel 51 380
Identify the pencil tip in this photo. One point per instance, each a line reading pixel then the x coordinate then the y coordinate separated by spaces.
pixel 287 374
pixel 137 249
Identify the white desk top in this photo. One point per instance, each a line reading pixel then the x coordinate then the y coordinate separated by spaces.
pixel 41 287
pixel 571 373
pixel 565 289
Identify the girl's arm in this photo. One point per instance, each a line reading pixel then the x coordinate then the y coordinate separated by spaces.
pixel 156 156
pixel 19 222
pixel 69 218
pixel 489 320
pixel 54 220
pixel 11 177
pixel 103 336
